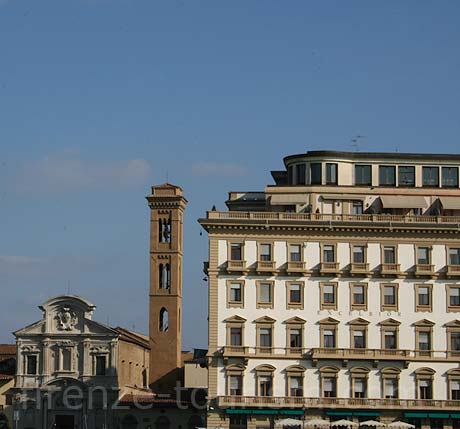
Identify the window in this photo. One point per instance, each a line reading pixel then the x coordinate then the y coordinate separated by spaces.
pixel 328 296
pixel 363 175
pixel 329 387
pixel 329 338
pixel 454 339
pixel 236 336
pixel 236 251
pixel 265 385
pixel 331 174
pixel 294 294
pixel 31 362
pixel 236 385
pixel 425 389
pixel 101 365
pixel 390 336
pixel 391 388
pixel 301 173
pixel 406 176
pixel 359 387
pixel 264 294
pixel 387 175
pixel 235 294
pixel 266 252
pixel 423 297
pixel 424 341
pixel 389 255
pixel 328 253
pixel 265 337
pixel 454 256
pixel 358 296
pixel 295 338
pixel 358 254
pixel 423 255
pixel 389 300
pixel 453 298
pixel 291 174
pixel 295 386
pixel 66 359
pixel 295 253
pixel 359 339
pixel 449 177
pixel 455 390
pixel 315 173
pixel 358 208
pixel 163 322
pixel 430 177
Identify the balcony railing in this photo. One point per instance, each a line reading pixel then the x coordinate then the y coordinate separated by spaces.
pixel 329 268
pixel 453 270
pixel 334 218
pixel 384 354
pixel 390 269
pixel 266 266
pixel 359 268
pixel 424 270
pixel 296 267
pixel 236 266
pixel 302 402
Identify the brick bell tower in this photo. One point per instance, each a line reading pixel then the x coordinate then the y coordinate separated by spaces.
pixel 167 207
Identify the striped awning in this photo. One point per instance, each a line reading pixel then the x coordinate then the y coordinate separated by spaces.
pixel 288 199
pixel 450 203
pixel 403 202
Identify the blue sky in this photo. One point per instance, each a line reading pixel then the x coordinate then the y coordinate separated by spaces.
pixel 99 99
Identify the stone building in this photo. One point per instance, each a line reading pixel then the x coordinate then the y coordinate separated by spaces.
pixel 335 294
pixel 7 371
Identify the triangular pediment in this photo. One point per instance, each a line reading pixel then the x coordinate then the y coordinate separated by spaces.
pixel 93 327
pixel 391 322
pixel 295 319
pixel 424 322
pixel 235 319
pixel 33 329
pixel 265 319
pixel 329 321
pixel 453 324
pixel 359 321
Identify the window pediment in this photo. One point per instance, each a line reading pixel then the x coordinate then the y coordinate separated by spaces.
pixel 295 368
pixel 295 320
pixel 328 321
pixel 424 322
pixel 329 369
pixel 359 370
pixel 453 324
pixel 454 372
pixel 265 368
pixel 265 319
pixel 390 371
pixel 424 371
pixel 390 322
pixel 235 367
pixel 359 321
pixel 235 319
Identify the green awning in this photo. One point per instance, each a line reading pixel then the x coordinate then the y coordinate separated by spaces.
pixel 416 415
pixel 291 412
pixel 267 411
pixel 455 415
pixel 339 413
pixel 438 415
pixel 366 413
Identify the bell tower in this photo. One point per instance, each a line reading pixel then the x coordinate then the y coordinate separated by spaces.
pixel 167 207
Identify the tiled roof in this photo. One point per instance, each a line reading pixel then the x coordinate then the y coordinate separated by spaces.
pixel 6 377
pixel 7 351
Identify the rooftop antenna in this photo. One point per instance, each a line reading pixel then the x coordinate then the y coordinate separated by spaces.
pixel 355 142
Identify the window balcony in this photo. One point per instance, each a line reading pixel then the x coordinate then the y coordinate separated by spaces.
pixel 453 270
pixel 359 268
pixel 390 269
pixel 424 270
pixel 359 354
pixel 336 403
pixel 329 268
pixel 266 267
pixel 296 268
pixel 236 267
pixel 236 351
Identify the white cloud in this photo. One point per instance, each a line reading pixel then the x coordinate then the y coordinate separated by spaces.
pixel 68 173
pixel 217 169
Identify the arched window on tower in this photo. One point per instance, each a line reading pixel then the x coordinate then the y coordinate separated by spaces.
pixel 166 233
pixel 168 276
pixel 164 320
pixel 161 277
pixel 160 230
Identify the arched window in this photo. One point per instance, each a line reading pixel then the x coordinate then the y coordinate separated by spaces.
pixel 168 276
pixel 161 276
pixel 164 320
pixel 160 230
pixel 162 422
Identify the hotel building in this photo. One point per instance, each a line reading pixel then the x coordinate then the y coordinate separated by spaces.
pixel 335 293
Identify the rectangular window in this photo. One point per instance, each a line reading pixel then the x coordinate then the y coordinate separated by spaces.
pixel 359 297
pixel 358 254
pixel 391 388
pixel 329 387
pixel 236 385
pixel 31 362
pixel 389 255
pixel 295 254
pixel 423 255
pixel 329 338
pixel 424 341
pixel 101 365
pixel 329 294
pixel 265 252
pixel 295 293
pixel 265 337
pixel 455 390
pixel 265 296
pixel 449 177
pixel 363 175
pixel 390 339
pixel 291 174
pixel 296 386
pixel 236 336
pixel 423 296
pixel 454 296
pixel 331 174
pixel 359 387
pixel 425 389
pixel 236 295
pixel 359 339
pixel 389 295
pixel 406 176
pixel 66 359
pixel 315 173
pixel 430 177
pixel 455 341
pixel 454 256
pixel 328 253
pixel 295 338
pixel 387 175
pixel 301 173
pixel 358 208
pixel 265 386
pixel 236 251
